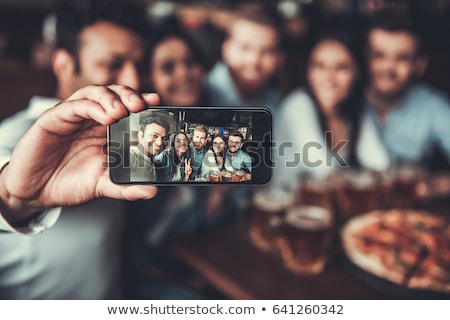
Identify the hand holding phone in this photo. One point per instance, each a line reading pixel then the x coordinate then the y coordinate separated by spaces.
pixel 58 160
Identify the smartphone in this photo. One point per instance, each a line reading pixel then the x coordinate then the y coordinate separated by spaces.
pixel 192 145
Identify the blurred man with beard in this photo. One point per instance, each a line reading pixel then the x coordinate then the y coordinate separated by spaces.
pixel 409 117
pixel 99 47
pixel 252 55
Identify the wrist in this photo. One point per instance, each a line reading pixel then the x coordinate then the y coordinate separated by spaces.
pixel 16 211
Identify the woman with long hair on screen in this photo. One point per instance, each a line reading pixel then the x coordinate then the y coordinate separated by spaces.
pixel 214 161
pixel 174 164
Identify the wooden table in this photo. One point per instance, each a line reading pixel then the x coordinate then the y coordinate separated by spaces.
pixel 226 257
pixel 233 265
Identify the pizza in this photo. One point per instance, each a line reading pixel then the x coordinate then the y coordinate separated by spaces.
pixel 407 247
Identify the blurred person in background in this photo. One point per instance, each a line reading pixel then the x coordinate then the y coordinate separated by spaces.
pixel 252 55
pixel 247 75
pixel 318 125
pixel 410 117
pixel 151 271
pixel 78 255
pixel 176 66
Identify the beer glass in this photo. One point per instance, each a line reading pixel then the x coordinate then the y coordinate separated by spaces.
pixel 215 177
pixel 402 185
pixel 316 190
pixel 358 191
pixel 200 179
pixel 304 237
pixel 238 176
pixel 267 208
pixel 227 176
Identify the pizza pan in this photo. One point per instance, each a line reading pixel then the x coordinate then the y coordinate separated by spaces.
pixel 386 287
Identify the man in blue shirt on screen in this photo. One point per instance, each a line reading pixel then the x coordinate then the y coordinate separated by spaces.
pixel 197 147
pixel 239 159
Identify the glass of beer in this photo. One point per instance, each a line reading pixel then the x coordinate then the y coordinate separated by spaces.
pixel 200 179
pixel 358 191
pixel 304 238
pixel 227 176
pixel 238 176
pixel 215 177
pixel 316 190
pixel 403 183
pixel 267 208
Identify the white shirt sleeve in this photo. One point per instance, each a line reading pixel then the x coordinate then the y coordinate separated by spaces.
pixel 300 142
pixel 38 224
pixel 370 150
pixel 11 130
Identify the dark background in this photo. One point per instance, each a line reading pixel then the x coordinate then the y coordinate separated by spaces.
pixel 25 53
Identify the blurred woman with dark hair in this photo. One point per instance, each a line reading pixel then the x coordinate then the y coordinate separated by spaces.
pixel 176 67
pixel 175 72
pixel 321 122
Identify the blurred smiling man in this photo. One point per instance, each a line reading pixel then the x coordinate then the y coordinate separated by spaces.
pixel 102 51
pixel 99 43
pixel 411 119
pixel 252 56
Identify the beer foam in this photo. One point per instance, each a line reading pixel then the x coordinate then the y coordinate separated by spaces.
pixel 309 217
pixel 317 185
pixel 272 200
pixel 227 174
pixel 361 180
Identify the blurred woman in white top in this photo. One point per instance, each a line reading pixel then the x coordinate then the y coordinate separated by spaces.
pixel 318 124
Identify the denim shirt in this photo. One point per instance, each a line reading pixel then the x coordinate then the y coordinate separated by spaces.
pixel 240 161
pixel 419 123
pixel 165 164
pixel 196 160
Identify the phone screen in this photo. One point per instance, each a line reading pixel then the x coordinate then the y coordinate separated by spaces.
pixel 192 145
